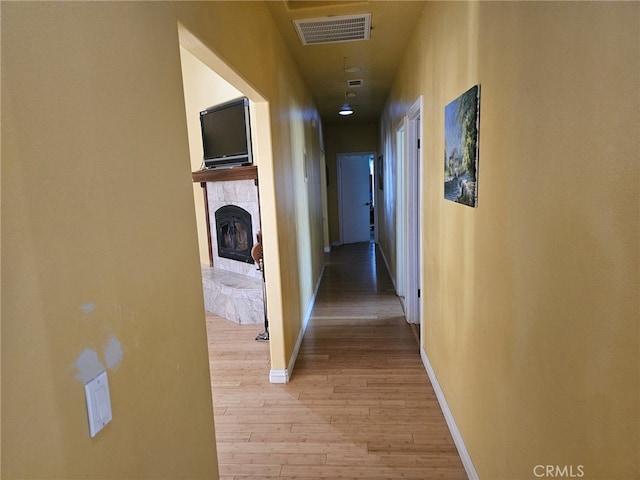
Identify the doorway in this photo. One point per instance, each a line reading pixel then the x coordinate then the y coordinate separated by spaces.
pixel 355 197
pixel 207 79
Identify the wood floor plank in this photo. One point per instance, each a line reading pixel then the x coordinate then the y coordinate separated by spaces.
pixel 363 429
pixel 393 460
pixel 270 446
pixel 359 404
pixel 303 437
pixel 280 458
pixel 249 470
pixel 224 438
pixel 231 427
pixel 298 410
pixel 372 472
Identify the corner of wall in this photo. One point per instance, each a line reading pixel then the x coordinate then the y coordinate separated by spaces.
pixel 284 375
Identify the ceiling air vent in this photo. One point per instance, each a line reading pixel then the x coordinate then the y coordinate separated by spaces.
pixel 346 28
pixel 355 83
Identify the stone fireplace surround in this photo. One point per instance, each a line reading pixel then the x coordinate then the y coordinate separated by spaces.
pixel 233 289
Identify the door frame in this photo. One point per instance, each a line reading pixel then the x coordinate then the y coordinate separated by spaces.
pixel 339 157
pixel 400 145
pixel 414 296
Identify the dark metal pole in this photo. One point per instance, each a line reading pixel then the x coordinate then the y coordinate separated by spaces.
pixel 258 257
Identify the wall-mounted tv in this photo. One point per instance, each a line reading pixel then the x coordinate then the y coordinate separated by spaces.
pixel 226 134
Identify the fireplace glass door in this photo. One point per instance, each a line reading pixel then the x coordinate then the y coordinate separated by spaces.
pixel 234 232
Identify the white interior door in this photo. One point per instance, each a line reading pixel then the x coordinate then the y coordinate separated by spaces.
pixel 355 204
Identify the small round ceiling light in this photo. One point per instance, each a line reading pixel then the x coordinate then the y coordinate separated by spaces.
pixel 346 110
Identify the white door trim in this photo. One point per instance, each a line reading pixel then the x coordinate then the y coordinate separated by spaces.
pixel 413 198
pixel 400 143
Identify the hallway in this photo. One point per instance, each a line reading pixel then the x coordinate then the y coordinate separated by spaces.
pixel 359 404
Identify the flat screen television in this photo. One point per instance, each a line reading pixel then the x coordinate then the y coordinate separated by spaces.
pixel 226 134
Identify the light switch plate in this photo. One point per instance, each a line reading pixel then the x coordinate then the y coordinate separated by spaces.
pixel 98 403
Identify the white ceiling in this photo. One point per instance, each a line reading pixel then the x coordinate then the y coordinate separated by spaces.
pixel 374 61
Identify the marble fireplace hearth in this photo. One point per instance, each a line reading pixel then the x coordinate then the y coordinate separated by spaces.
pixel 234 296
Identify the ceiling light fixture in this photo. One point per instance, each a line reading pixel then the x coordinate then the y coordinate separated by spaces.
pixel 346 109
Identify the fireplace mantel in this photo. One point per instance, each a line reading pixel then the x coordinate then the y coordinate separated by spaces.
pixel 225 174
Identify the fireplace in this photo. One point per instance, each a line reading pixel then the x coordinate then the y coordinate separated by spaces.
pixel 232 285
pixel 234 233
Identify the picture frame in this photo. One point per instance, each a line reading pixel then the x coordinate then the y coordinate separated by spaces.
pixel 461 152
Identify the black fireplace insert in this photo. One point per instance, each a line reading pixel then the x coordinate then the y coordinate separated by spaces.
pixel 234 232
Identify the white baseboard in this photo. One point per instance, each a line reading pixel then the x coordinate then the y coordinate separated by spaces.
pixel 283 376
pixel 327 249
pixel 448 416
pixel 278 376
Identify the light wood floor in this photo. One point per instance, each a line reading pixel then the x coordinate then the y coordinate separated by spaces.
pixel 359 404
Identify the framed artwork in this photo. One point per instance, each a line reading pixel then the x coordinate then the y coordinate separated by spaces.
pixel 380 170
pixel 461 126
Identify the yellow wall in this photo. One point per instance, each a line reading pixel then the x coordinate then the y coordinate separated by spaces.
pixel 530 313
pixel 344 139
pixel 203 88
pixel 99 247
pixel 100 264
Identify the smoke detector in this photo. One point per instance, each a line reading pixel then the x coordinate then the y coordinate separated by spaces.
pixel 345 28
